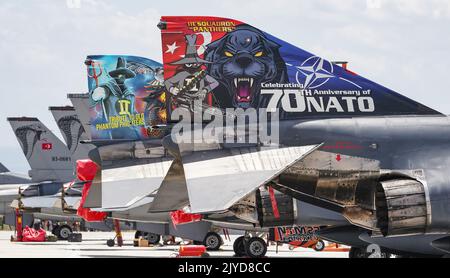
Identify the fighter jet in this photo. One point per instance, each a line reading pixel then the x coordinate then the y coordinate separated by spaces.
pixel 137 178
pixel 323 110
pixel 43 199
pixel 346 144
pixel 126 200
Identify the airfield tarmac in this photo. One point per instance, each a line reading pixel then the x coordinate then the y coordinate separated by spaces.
pixel 94 246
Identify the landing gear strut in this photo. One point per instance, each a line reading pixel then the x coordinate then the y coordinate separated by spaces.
pixel 111 242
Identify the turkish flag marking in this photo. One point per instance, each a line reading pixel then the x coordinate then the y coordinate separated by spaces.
pixel 47 146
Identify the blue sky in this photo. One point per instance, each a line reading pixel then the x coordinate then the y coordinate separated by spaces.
pixel 402 44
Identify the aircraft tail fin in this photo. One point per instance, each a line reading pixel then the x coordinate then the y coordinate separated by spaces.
pixel 73 131
pixel 126 97
pixel 48 157
pixel 3 168
pixel 80 103
pixel 249 68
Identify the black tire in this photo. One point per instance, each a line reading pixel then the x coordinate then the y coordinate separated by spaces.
pixel 357 253
pixel 137 234
pixel 64 232
pixel 110 243
pixel 320 246
pixel 55 230
pixel 239 246
pixel 152 238
pixel 255 247
pixel 212 241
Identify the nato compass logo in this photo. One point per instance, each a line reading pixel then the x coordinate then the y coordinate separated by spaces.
pixel 315 72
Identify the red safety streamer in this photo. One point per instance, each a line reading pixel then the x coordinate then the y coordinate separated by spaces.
pixel 276 212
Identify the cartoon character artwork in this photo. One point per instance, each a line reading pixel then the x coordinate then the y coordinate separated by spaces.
pixel 116 98
pixel 242 60
pixel 237 60
pixel 127 96
pixel 155 104
pixel 255 69
pixel 191 83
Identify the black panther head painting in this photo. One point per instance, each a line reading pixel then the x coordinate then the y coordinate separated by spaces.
pixel 241 61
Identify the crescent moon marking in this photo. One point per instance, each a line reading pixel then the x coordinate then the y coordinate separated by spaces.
pixel 207 39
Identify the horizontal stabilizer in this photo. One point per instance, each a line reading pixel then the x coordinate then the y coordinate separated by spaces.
pixel 124 186
pixel 218 179
pixel 3 169
pixel 142 202
pixel 40 202
pixel 172 195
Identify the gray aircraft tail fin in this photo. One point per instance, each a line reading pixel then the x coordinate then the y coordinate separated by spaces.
pixel 48 157
pixel 3 169
pixel 80 103
pixel 73 131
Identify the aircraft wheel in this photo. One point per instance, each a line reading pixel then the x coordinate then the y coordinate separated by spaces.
pixel 64 232
pixel 152 238
pixel 357 253
pixel 320 245
pixel 55 230
pixel 137 234
pixel 110 243
pixel 212 241
pixel 239 246
pixel 256 247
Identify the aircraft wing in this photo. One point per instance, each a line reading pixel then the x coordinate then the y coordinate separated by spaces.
pixel 217 179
